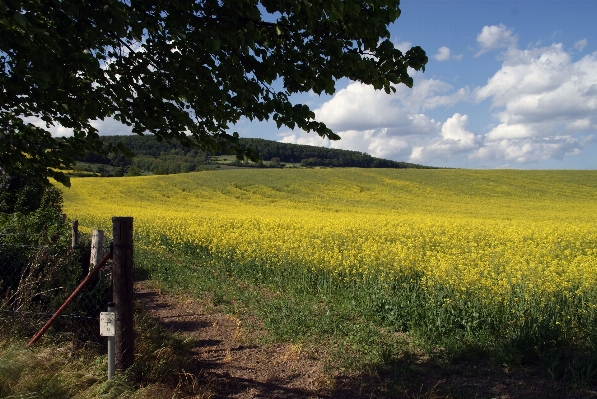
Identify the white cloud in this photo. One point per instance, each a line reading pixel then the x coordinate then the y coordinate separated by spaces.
pixel 580 45
pixel 455 129
pixel 544 103
pixel 359 107
pixel 495 37
pixel 454 140
pixel 56 130
pixel 376 142
pixel 542 100
pixel 429 94
pixel 541 92
pixel 403 46
pixel 532 150
pixel 304 139
pixel 444 54
pixel 505 131
pixel 111 127
pixel 106 127
pixel 388 126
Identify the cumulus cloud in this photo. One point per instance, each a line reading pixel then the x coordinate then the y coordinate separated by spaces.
pixel 386 126
pixel 299 137
pixel 544 103
pixel 432 93
pixel 495 37
pixel 542 92
pixel 376 142
pixel 533 149
pixel 454 139
pixel 403 46
pixel 444 54
pixel 543 100
pixel 106 127
pixel 580 45
pixel 359 107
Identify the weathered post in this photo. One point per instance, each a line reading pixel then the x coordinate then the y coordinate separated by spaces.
pixel 97 246
pixel 75 233
pixel 122 276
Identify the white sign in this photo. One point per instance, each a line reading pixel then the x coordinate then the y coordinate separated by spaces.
pixel 107 324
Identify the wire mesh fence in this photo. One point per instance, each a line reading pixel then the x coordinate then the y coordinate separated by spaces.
pixel 38 272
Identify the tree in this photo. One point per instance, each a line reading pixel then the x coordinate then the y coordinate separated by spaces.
pixel 182 70
pixel 25 194
pixel 275 162
pixel 133 171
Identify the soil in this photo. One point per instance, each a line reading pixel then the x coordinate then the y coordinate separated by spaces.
pixel 231 363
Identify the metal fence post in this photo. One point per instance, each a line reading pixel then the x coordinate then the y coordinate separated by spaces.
pixel 122 275
pixel 111 361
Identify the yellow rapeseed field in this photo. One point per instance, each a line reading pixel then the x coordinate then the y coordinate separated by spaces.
pixel 492 235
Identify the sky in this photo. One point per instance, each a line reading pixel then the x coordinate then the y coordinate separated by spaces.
pixel 509 84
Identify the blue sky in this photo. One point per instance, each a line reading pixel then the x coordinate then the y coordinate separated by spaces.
pixel 509 84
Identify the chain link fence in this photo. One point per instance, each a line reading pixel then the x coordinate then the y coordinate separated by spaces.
pixel 39 269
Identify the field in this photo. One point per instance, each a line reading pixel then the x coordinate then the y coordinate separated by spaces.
pixel 503 261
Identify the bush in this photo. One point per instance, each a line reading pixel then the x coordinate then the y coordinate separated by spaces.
pixel 38 267
pixel 133 171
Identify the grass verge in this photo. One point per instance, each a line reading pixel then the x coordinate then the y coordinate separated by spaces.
pixel 61 367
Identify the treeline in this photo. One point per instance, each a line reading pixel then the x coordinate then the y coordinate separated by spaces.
pixel 308 155
pixel 151 156
pixel 169 158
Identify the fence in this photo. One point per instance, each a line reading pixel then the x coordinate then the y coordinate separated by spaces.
pixel 37 278
pixel 39 269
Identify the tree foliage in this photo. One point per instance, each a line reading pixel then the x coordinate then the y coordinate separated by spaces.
pixel 182 70
pixel 26 193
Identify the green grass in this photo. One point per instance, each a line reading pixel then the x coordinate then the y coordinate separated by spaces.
pixel 61 367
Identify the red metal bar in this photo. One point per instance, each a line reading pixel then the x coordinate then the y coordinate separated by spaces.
pixel 70 298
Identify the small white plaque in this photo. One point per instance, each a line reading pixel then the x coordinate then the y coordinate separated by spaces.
pixel 107 324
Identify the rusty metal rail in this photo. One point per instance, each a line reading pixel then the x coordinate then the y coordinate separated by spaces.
pixel 70 298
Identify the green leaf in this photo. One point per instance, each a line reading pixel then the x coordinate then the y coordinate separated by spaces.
pixel 20 19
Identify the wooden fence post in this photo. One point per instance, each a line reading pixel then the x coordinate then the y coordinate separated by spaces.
pixel 122 283
pixel 97 246
pixel 75 231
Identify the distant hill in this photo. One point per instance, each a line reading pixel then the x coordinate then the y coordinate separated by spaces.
pixel 168 158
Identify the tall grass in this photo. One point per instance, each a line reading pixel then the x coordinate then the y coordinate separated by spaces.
pixel 61 366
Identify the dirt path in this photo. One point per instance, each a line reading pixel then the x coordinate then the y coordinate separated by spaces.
pixel 221 353
pixel 225 360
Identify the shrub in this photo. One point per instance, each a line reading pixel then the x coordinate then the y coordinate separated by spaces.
pixel 38 267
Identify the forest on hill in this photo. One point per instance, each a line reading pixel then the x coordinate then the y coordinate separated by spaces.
pixel 170 158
